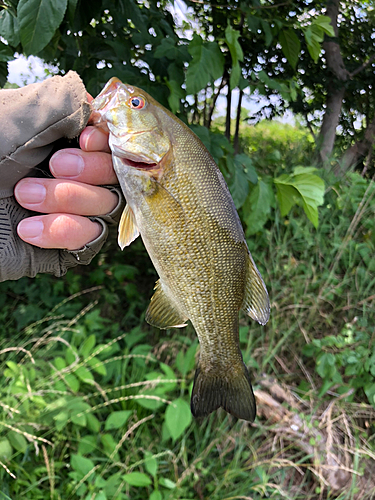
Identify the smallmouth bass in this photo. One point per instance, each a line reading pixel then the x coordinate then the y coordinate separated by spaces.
pixel 179 203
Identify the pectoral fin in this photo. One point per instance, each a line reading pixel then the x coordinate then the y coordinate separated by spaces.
pixel 256 302
pixel 127 229
pixel 162 313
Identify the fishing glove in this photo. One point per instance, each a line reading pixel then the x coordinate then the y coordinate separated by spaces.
pixel 34 118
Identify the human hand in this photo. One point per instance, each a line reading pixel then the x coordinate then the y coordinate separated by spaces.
pixel 72 195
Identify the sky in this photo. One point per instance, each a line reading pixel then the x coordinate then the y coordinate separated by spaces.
pixel 23 71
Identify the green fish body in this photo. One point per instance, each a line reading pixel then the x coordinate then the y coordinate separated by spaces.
pixel 179 203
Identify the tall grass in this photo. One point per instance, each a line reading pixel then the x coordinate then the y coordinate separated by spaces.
pixel 94 403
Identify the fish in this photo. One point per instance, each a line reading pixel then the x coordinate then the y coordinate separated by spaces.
pixel 180 205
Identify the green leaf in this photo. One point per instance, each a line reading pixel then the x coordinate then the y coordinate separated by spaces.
pixel 287 196
pixel 257 208
pixel 60 363
pixel 302 188
pixel 71 10
pixel 239 187
pixel 324 22
pixel 231 37
pixel 151 464
pixel 369 389
pixel 6 450
pixel 207 64
pixel 313 45
pixel 38 21
pixel 253 23
pixel 9 28
pixel 156 495
pixel 267 32
pixel 97 366
pixel 93 424
pixel 87 346
pixel 61 420
pixel 137 479
pixel 167 483
pixel 87 444
pixel 325 365
pixel 117 419
pixel 18 441
pixel 177 417
pixel 168 49
pixel 79 419
pixel 245 162
pixel 109 444
pixel 101 496
pixel 176 94
pixel 290 45
pixel 185 362
pixel 84 374
pixel 71 381
pixel 169 374
pixel 82 465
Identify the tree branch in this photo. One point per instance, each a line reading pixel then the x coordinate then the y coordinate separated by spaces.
pixel 362 67
pixel 309 126
pixel 230 7
pixel 211 108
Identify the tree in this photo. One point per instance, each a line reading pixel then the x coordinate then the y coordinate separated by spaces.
pixel 139 42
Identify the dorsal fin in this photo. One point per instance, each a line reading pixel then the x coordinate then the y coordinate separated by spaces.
pixel 127 229
pixel 256 302
pixel 162 313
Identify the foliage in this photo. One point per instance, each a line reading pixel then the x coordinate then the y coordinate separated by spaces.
pixel 95 404
pixel 346 360
pixel 256 193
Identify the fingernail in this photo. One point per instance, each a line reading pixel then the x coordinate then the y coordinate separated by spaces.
pixel 86 139
pixel 30 192
pixel 30 228
pixel 66 163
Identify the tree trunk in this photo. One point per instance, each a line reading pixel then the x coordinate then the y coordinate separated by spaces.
pixel 209 113
pixel 238 119
pixel 327 134
pixel 358 151
pixel 227 120
pixel 336 88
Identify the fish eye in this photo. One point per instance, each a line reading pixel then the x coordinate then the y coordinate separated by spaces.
pixel 137 102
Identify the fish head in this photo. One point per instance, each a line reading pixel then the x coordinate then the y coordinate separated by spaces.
pixel 131 117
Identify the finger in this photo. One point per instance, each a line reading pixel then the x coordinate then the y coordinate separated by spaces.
pixel 92 168
pixel 54 196
pixel 71 232
pixel 94 139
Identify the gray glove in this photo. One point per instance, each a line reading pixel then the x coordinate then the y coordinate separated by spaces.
pixel 33 118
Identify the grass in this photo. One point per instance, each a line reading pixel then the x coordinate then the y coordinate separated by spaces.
pixel 94 403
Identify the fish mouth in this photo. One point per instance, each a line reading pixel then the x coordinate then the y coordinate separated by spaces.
pixel 139 165
pixel 132 160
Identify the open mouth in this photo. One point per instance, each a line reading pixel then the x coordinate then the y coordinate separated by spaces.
pixel 139 164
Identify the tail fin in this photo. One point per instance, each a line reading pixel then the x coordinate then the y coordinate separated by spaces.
pixel 230 390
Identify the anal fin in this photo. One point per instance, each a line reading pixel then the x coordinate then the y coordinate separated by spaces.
pixel 256 302
pixel 127 229
pixel 162 313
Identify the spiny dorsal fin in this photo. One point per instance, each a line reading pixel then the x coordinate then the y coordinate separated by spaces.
pixel 127 229
pixel 256 302
pixel 162 313
pixel 227 388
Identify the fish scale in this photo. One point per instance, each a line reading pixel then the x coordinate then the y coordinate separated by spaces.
pixel 179 203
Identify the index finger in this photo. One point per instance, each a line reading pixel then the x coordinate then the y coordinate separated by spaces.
pixel 94 139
